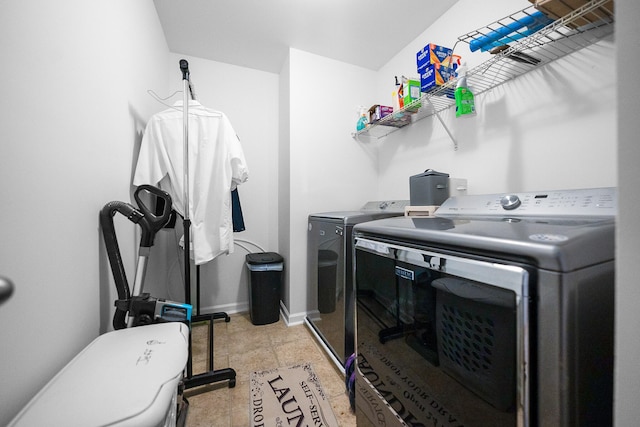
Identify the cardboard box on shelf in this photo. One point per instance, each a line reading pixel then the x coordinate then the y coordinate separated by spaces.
pixel 409 93
pixel 377 112
pixel 433 54
pixel 556 9
pixel 434 76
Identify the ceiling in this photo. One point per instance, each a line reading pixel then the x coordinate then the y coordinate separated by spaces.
pixel 258 33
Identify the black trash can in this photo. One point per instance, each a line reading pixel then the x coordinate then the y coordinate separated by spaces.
pixel 327 280
pixel 265 281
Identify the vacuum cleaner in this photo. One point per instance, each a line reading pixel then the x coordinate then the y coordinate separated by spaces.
pixel 148 361
pixel 140 308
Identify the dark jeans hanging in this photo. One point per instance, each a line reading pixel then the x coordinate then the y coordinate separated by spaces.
pixel 236 212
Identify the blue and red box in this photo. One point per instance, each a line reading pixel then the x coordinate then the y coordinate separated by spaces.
pixel 436 66
pixel 432 54
pixel 434 75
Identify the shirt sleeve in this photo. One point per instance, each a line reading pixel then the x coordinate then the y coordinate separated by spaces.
pixel 150 168
pixel 239 169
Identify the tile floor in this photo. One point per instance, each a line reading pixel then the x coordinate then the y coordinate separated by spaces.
pixel 240 345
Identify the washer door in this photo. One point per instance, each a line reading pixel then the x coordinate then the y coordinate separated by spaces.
pixel 441 339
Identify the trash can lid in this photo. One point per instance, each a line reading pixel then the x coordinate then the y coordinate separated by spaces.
pixel 264 258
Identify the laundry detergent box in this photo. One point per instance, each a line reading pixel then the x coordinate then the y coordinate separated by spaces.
pixel 408 93
pixel 434 76
pixel 433 54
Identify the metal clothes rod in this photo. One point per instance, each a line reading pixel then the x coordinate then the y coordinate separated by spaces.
pixel 184 67
pixel 212 376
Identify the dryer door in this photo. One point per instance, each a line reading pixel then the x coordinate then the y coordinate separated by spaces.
pixel 441 339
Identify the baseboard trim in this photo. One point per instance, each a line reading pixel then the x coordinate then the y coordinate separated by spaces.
pixel 243 307
pixel 234 308
pixel 291 319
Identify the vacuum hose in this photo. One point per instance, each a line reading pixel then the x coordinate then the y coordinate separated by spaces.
pixel 113 251
pixel 150 224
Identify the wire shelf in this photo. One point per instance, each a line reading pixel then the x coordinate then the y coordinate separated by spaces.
pixel 516 53
pixel 519 55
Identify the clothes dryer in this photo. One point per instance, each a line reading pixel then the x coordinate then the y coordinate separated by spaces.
pixel 330 297
pixel 497 311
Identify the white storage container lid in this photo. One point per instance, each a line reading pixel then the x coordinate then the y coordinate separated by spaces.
pixel 123 378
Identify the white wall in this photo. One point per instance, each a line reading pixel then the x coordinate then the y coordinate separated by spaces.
pixel 328 171
pixel 249 98
pixel 74 103
pixel 552 128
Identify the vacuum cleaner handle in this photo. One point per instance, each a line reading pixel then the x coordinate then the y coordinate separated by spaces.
pixel 152 222
pixel 113 251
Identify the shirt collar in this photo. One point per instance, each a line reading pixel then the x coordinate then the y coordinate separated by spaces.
pixel 192 102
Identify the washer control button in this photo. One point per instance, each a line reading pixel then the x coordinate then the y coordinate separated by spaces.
pixel 510 202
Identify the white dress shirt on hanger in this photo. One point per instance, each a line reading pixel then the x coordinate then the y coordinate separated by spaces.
pixel 216 166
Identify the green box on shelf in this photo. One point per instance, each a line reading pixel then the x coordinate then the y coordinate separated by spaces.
pixel 409 93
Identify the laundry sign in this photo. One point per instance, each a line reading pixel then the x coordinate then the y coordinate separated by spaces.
pixel 293 396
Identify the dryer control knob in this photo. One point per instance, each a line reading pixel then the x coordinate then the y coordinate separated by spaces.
pixel 510 202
